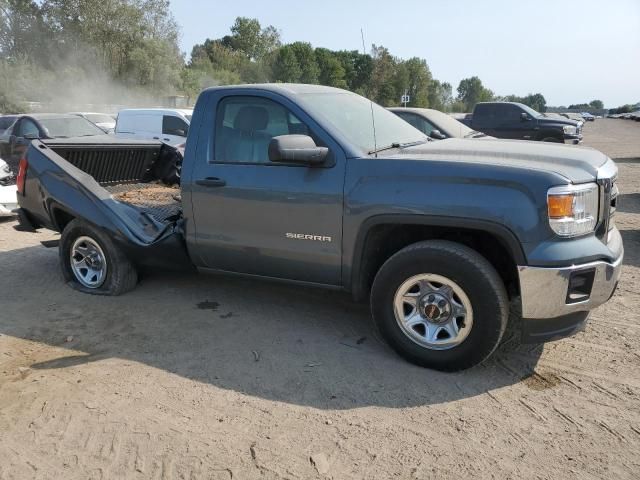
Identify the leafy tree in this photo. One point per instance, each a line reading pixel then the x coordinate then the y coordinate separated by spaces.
pixel 418 80
pixel 597 104
pixel 248 36
pixel 471 91
pixel 21 28
pixel 579 106
pixel 306 59
pixel 286 67
pixel 440 95
pixel 382 86
pixel 332 72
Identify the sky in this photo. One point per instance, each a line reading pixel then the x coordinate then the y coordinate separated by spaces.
pixel 570 51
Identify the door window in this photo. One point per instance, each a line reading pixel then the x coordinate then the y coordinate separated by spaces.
pixel 246 125
pixel 174 126
pixel 27 128
pixel 417 121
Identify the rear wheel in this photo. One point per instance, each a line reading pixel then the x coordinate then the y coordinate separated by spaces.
pixel 440 305
pixel 92 263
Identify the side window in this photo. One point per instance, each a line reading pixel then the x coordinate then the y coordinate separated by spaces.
pixel 27 128
pixel 174 126
pixel 512 114
pixel 246 125
pixel 485 116
pixel 417 121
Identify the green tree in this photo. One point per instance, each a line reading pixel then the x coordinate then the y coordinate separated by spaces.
pixel 471 91
pixel 440 95
pixel 597 104
pixel 248 36
pixel 419 80
pixel 22 31
pixel 332 72
pixel 306 58
pixel 383 84
pixel 286 67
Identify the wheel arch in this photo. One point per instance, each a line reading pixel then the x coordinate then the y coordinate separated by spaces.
pixel 383 235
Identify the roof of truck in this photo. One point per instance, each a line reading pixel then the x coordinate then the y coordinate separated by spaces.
pixel 287 88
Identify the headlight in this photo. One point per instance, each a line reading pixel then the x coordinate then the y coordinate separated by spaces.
pixel 570 130
pixel 573 209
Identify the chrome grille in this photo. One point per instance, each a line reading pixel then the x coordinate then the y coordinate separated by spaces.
pixel 607 182
pixel 613 203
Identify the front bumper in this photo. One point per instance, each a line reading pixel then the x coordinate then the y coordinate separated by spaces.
pixel 573 139
pixel 556 301
pixel 545 291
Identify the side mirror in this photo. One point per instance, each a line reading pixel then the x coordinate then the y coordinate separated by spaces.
pixel 296 149
pixel 524 117
pixel 437 135
pixel 181 133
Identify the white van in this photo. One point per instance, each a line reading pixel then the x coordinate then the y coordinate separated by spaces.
pixel 169 125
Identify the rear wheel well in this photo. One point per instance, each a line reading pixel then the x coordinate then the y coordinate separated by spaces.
pixel 61 218
pixel 382 241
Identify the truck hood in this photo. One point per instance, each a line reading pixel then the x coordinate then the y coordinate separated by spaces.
pixel 577 164
pixel 557 121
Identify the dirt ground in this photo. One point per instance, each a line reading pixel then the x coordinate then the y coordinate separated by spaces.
pixel 196 377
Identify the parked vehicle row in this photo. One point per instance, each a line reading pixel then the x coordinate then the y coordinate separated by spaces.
pixel 167 125
pixel 320 186
pixel 25 128
pixel 627 116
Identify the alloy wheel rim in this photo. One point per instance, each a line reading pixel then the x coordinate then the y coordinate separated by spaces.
pixel 433 311
pixel 88 262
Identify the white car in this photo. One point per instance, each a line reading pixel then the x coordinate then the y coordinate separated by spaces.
pixel 104 121
pixel 8 193
pixel 169 125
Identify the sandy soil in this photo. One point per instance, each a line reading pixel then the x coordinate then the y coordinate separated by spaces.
pixel 210 377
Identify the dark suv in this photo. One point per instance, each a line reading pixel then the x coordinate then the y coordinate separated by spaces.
pixel 520 122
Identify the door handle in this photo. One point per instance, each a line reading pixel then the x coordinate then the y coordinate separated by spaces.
pixel 167 139
pixel 156 138
pixel 211 182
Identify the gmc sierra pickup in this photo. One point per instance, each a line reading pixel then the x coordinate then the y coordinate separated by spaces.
pixel 296 183
pixel 520 122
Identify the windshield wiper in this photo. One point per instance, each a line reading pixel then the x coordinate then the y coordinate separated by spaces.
pixel 400 145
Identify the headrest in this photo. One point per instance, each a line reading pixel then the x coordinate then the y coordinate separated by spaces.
pixel 251 118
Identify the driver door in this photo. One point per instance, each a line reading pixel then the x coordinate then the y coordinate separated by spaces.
pixel 270 219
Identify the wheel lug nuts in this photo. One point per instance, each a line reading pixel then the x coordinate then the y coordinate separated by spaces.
pixel 431 298
pixel 442 303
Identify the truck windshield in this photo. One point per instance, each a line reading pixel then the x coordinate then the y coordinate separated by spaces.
pixel 65 127
pixel 351 114
pixel 530 111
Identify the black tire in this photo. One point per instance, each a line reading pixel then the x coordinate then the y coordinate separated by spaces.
pixel 470 271
pixel 121 275
pixel 552 140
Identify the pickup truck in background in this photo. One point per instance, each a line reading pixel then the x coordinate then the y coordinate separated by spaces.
pixel 519 122
pixel 290 182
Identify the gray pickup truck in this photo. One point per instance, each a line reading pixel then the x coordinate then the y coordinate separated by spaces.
pixel 295 183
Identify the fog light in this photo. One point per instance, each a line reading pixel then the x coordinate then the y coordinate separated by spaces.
pixel 580 285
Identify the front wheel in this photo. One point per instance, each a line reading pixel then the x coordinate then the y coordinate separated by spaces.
pixel 92 263
pixel 440 305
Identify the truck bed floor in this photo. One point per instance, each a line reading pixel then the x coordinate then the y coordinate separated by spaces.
pixel 160 201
